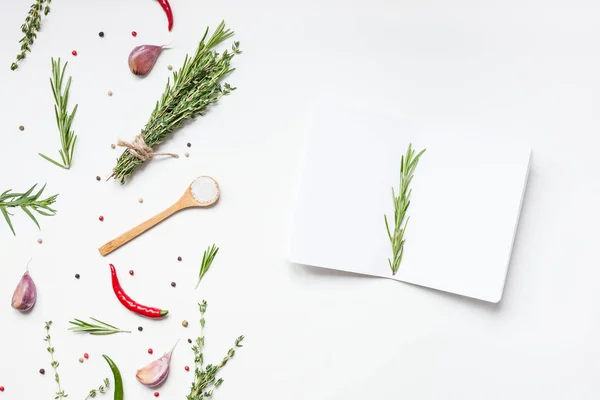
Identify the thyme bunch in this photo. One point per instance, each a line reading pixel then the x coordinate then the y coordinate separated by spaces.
pixel 195 86
pixel 60 394
pixel 27 202
pixel 30 27
pixel 101 389
pixel 205 379
pixel 207 259
pixel 64 120
pixel 408 164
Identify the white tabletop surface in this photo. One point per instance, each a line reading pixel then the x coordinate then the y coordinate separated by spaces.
pixel 526 69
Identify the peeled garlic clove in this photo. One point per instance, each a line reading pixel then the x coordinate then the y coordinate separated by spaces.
pixel 142 58
pixel 155 373
pixel 25 294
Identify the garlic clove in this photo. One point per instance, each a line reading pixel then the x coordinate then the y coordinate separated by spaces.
pixel 155 373
pixel 25 294
pixel 142 58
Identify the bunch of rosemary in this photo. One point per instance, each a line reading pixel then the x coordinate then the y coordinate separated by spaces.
pixel 408 164
pixel 30 27
pixel 195 86
pixel 27 202
pixel 205 378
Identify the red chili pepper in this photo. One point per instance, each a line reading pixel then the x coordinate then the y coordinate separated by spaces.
pixel 167 7
pixel 151 312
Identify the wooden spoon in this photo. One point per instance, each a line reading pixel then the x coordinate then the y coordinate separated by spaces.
pixel 202 192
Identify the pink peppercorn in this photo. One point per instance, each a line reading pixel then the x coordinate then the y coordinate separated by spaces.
pixel 187 368
pixel 1 388
pixel 101 218
pixel 74 52
pixel 86 356
pixel 131 272
pixel 134 33
pixel 150 351
pixel 156 394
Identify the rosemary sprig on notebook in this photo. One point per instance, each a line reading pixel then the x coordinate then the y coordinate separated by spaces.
pixel 401 200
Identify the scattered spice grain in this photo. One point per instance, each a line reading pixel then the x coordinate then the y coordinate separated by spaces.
pixel 150 351
pixel 77 276
pixel 131 272
pixel 80 359
pixel 173 284
pixel 101 218
pixel 86 356
pixel 134 33
pixel 186 154
pixel 179 258
pixel 112 146
pixel 74 52
pixel 21 128
pixel 186 368
pixel 184 323
pixel 156 394
pixel 42 371
pixel 101 34
pixel 140 200
pixel 40 240
pixel 98 178
pixel 109 93
pixel 140 328
pixel 189 340
pixel 169 67
pixel 189 145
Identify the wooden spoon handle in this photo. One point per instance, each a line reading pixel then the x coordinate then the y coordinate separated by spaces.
pixel 138 230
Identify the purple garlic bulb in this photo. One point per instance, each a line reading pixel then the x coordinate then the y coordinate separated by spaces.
pixel 142 58
pixel 25 294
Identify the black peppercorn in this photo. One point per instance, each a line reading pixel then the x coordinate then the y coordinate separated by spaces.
pixel 77 276
pixel 173 284
pixel 189 145
pixel 179 258
pixel 42 371
pixel 140 328
pixel 101 34
pixel 189 340
pixel 97 178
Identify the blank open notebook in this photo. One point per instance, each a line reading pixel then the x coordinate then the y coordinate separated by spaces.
pixel 464 210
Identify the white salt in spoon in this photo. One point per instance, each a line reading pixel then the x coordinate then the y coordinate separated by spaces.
pixel 203 192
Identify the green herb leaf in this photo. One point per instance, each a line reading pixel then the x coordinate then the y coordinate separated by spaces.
pixel 28 203
pixel 401 200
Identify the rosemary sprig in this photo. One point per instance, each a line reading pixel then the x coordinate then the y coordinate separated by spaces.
pixel 101 389
pixel 64 120
pixel 207 259
pixel 408 164
pixel 101 329
pixel 195 86
pixel 30 27
pixel 60 394
pixel 27 202
pixel 205 379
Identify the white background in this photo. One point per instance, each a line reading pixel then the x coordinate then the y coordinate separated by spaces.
pixel 523 69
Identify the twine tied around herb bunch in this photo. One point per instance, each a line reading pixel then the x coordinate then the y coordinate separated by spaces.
pixel 140 150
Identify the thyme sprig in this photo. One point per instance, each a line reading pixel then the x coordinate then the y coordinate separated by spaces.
pixel 102 328
pixel 27 202
pixel 101 389
pixel 205 379
pixel 64 120
pixel 30 27
pixel 207 259
pixel 60 394
pixel 195 86
pixel 408 164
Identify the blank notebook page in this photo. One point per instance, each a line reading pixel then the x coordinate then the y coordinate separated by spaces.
pixel 465 204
